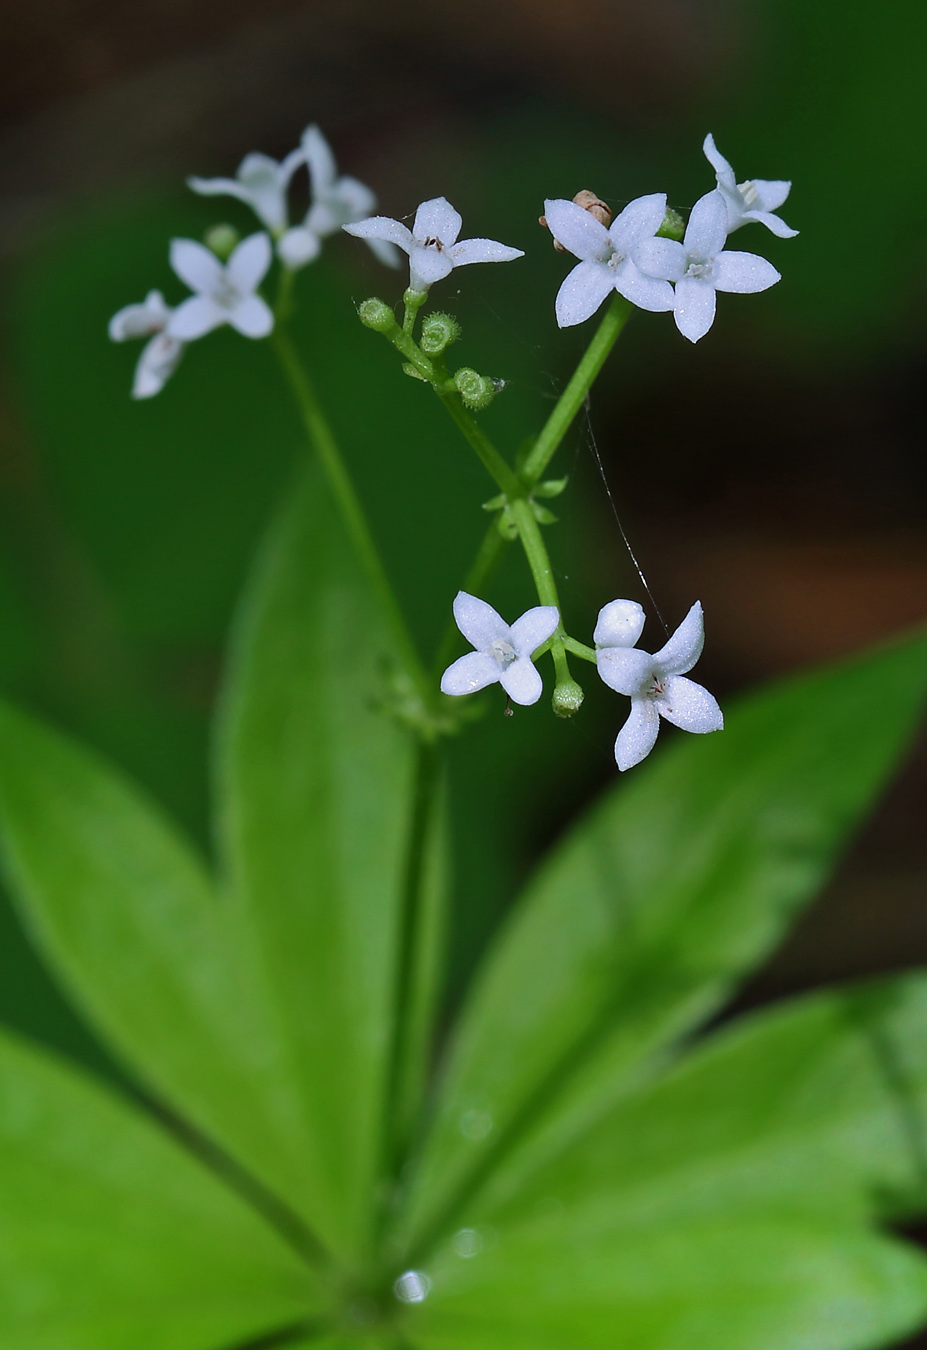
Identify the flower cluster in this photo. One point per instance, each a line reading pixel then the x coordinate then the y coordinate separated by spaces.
pixel 656 273
pixel 655 684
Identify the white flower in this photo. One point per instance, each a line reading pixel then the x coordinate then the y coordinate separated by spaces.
pixel 655 684
pixel 699 266
pixel 261 183
pixel 432 242
pixel 334 202
pixel 755 199
pixel 161 354
pixel 224 294
pixel 502 653
pixel 607 257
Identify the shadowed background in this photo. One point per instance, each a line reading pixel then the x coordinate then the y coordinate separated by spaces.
pixel 776 471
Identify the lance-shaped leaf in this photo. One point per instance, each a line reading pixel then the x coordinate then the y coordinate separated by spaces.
pixel 316 781
pixel 727 1204
pixel 111 1235
pixel 127 915
pixel 641 922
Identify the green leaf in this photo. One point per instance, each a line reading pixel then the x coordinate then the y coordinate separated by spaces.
pixel 761 1282
pixel 317 789
pixel 127 915
pixel 113 1236
pixel 641 922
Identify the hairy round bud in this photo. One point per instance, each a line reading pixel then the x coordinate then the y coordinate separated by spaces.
pixel 673 227
pixel 476 390
pixel 567 698
pixel 438 332
pixel 222 240
pixel 376 314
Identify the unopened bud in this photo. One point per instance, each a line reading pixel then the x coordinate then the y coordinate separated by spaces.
pixel 438 332
pixel 222 240
pixel 673 227
pixel 376 314
pixel 476 390
pixel 567 698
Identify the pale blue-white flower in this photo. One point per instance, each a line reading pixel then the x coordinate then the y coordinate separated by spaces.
pixel 654 683
pixel 224 293
pixel 756 199
pixel 161 353
pixel 607 257
pixel 261 183
pixel 700 266
pixel 432 242
pixel 334 201
pixel 503 653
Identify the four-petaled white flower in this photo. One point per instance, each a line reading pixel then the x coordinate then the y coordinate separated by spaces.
pixel 224 294
pixel 699 266
pixel 503 653
pixel 261 183
pixel 755 199
pixel 432 242
pixel 161 354
pixel 334 202
pixel 655 684
pixel 607 257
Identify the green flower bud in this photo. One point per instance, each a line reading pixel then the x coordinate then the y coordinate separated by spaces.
pixel 551 487
pixel 438 332
pixel 376 314
pixel 476 390
pixel 567 698
pixel 673 227
pixel 222 240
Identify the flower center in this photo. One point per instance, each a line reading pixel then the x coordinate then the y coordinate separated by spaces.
pixel 503 652
pixel 616 259
pixel 699 266
pixel 748 191
pixel 657 688
pixel 433 242
pixel 225 294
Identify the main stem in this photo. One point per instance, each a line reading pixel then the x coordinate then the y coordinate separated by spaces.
pixel 352 513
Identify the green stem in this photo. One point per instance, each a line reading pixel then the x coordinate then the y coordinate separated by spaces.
pixel 326 447
pixel 572 398
pixel 504 477
pixel 532 541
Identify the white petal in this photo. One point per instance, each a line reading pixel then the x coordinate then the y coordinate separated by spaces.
pixel 381 227
pixel 479 622
pixel 260 176
pixel 707 227
pixel 723 171
pixel 637 737
pixel 385 252
pixel 646 292
pixel 196 316
pixel 156 364
pixel 298 247
pixel 737 214
pixel 428 265
pixel 252 317
pixel 684 648
pixel 288 167
pixel 582 291
pixel 620 624
pixel 319 157
pixel 196 265
pixel 695 307
pixel 142 320
pixel 481 250
pixel 219 187
pixel 625 669
pixel 355 198
pixel 472 672
pixel 533 628
pixel 638 221
pixel 248 265
pixel 521 682
pixel 743 273
pixel 437 219
pixel 774 223
pixel 771 193
pixel 687 705
pixel 664 259
pixel 577 230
